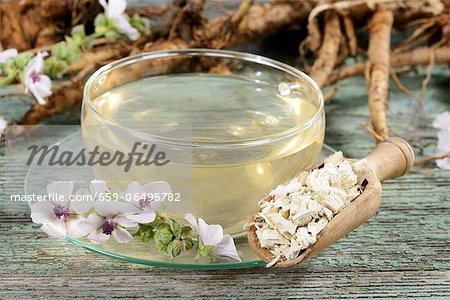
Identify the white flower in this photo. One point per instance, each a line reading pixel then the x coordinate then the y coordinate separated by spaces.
pixel 62 215
pixel 37 83
pixel 3 125
pixel 7 54
pixel 212 235
pixel 147 198
pixel 442 122
pixel 108 221
pixel 114 10
pixel 444 147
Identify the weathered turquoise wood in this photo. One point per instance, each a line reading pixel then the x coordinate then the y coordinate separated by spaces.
pixel 402 252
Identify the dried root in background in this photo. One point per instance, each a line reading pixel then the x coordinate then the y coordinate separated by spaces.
pixel 331 39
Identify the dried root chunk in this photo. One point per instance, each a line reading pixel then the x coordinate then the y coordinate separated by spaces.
pixel 295 213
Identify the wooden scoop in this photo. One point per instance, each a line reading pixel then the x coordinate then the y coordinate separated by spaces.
pixel 390 159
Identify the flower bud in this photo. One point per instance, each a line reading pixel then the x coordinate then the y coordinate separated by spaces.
pixel 21 60
pixel 141 23
pixel 160 246
pixel 78 32
pixel 174 248
pixel 176 227
pixel 188 243
pixel 55 67
pixel 186 232
pixel 164 234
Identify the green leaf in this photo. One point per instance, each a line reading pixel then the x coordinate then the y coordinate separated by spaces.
pixel 21 60
pixel 100 21
pixel 142 24
pixel 174 248
pixel 112 35
pixel 147 236
pixel 206 250
pixel 186 232
pixel 59 50
pixel 7 80
pixel 78 32
pixel 55 67
pixel 145 232
pixel 176 227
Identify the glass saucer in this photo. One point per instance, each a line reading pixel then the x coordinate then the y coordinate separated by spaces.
pixel 137 251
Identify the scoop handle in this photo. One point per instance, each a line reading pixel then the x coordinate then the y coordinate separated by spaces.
pixel 391 158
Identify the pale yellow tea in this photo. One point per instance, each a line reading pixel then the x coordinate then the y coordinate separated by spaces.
pixel 240 138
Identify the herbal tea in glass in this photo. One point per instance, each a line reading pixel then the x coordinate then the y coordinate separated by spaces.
pixel 233 126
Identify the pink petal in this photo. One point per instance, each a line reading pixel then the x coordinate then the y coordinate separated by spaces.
pixel 121 235
pixel 116 7
pixel 35 64
pixel 97 187
pixel 444 140
pixel 3 123
pixel 36 93
pixel 134 192
pixel 42 212
pixel 92 223
pixel 55 228
pixel 73 228
pixel 159 187
pixel 124 27
pixel 7 54
pixel 98 237
pixel 143 218
pixel 192 220
pixel 111 208
pixel 227 248
pixel 125 222
pixel 62 189
pixel 442 121
pixel 82 202
pixel 443 163
pixel 210 234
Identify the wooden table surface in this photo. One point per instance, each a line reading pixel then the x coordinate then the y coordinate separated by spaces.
pixel 403 251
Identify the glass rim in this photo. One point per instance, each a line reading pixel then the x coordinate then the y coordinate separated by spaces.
pixel 195 52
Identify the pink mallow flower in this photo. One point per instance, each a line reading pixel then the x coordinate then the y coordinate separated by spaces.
pixel 146 198
pixel 110 221
pixel 114 10
pixel 212 235
pixel 39 84
pixel 62 215
pixel 442 122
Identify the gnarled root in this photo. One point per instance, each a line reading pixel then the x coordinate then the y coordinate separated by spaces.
pixel 377 71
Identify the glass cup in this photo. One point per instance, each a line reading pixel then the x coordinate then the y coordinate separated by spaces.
pixel 231 127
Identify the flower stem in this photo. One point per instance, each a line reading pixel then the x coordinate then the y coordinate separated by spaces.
pixel 94 35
